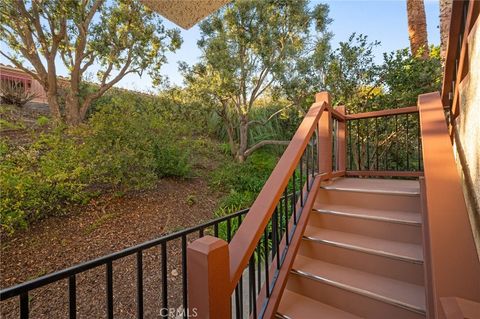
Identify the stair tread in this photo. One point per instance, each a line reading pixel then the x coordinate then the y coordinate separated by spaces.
pixel 377 214
pixel 294 305
pixel 407 251
pixel 389 290
pixel 387 186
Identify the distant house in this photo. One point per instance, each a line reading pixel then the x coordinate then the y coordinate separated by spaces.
pixel 12 75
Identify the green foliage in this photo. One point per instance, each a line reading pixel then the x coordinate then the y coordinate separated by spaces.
pixel 405 77
pixel 130 145
pixel 243 181
pixel 171 160
pixel 247 47
pixel 7 125
pixel 355 80
pixel 118 37
pixel 42 121
pixel 40 179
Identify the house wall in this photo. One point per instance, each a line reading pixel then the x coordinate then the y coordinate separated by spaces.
pixel 7 71
pixel 467 132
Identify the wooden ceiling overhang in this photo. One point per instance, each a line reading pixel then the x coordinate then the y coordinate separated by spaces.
pixel 185 13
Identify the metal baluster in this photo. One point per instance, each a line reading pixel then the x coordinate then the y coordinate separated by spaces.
pixel 259 267
pixel 265 250
pixel 237 302
pixel 109 290
pixel 184 275
pixel 350 156
pixel 24 312
pixel 275 236
pixel 215 230
pixel 358 146
pixel 164 277
pixel 72 297
pixel 396 143
pixel 376 142
pixel 241 295
pixel 229 229
pixel 251 280
pixel 200 233
pixel 306 168
pixel 139 285
pixel 301 180
pixel 285 209
pixel 314 146
pixel 419 145
pixel 368 145
pixel 406 146
pixel 294 201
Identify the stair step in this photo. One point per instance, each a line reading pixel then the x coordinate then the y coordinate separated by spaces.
pixel 371 214
pixel 394 292
pixel 375 264
pixel 297 306
pixel 376 186
pixel 391 249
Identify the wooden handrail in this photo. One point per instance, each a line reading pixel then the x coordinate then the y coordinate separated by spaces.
pixel 451 259
pixel 250 231
pixel 367 115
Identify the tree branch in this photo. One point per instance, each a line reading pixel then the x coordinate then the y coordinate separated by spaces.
pixel 264 143
pixel 252 122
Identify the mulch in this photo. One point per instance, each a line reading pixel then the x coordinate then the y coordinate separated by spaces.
pixel 107 224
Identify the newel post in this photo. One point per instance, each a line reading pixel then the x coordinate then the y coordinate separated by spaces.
pixel 324 135
pixel 208 278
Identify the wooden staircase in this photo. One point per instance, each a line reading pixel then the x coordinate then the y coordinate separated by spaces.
pixel 361 255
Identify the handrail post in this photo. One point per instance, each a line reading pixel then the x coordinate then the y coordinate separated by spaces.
pixel 341 141
pixel 324 135
pixel 209 278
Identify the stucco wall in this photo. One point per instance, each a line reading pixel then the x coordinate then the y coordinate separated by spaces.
pixel 467 138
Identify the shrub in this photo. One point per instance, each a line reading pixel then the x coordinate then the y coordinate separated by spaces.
pixel 42 121
pixel 171 160
pixel 39 180
pixel 243 181
pixel 14 93
pixel 130 145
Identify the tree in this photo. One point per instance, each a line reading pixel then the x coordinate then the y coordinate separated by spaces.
pixel 352 77
pixel 417 27
pixel 117 37
pixel 245 47
pixel 445 16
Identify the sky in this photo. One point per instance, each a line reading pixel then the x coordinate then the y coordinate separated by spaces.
pixel 382 20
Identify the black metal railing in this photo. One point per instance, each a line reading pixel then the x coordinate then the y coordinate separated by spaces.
pixel 163 258
pixel 385 143
pixel 261 274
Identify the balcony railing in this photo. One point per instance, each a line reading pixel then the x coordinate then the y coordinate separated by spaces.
pixel 26 294
pixel 241 261
pixel 384 143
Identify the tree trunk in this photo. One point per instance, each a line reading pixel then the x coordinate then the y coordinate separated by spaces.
pixel 54 106
pixel 417 28
pixel 241 157
pixel 72 110
pixel 445 15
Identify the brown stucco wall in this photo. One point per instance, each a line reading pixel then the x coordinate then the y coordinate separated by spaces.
pixel 467 134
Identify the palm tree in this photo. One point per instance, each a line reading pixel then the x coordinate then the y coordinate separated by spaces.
pixel 417 27
pixel 445 14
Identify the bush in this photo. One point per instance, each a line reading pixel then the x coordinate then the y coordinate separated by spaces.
pixel 171 160
pixel 40 180
pixel 244 181
pixel 130 145
pixel 14 93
